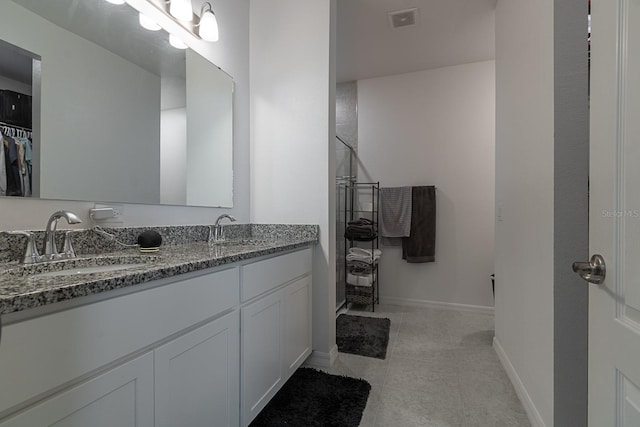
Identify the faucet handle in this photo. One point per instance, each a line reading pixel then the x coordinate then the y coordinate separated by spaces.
pixel 67 250
pixel 31 255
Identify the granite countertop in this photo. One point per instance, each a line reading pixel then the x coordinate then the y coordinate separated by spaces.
pixel 21 290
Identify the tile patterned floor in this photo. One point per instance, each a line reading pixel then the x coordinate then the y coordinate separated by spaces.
pixel 441 370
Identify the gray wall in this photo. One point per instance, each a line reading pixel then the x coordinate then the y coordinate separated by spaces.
pixel 347 130
pixel 571 206
pixel 347 112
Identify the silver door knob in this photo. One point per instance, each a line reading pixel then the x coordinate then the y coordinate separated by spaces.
pixel 593 271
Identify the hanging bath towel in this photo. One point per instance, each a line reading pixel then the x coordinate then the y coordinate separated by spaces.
pixel 421 245
pixel 395 218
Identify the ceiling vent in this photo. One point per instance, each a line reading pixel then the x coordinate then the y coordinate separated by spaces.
pixel 403 18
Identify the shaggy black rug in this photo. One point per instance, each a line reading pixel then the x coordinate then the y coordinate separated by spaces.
pixel 312 398
pixel 364 336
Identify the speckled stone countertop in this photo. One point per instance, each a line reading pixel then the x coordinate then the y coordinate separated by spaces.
pixel 22 289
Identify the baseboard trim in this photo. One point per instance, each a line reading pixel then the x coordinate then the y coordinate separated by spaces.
pixel 322 359
pixel 521 391
pixel 436 304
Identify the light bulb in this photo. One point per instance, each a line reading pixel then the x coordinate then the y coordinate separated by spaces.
pixel 148 23
pixel 116 1
pixel 208 29
pixel 181 9
pixel 176 42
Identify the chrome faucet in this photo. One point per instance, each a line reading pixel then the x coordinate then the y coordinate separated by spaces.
pixel 31 255
pixel 50 249
pixel 215 232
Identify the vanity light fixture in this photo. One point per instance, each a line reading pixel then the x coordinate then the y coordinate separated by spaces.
pixel 181 9
pixel 208 24
pixel 176 42
pixel 148 23
pixel 177 18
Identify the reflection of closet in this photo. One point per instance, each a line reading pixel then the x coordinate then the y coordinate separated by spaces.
pixel 16 121
pixel 362 242
pixel 16 161
pixel 15 108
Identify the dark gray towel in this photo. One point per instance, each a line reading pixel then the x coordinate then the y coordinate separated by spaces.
pixel 421 245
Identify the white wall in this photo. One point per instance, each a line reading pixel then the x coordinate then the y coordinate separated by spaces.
pixel 231 53
pixel 436 127
pixel 292 134
pixel 209 128
pixel 173 156
pixel 524 264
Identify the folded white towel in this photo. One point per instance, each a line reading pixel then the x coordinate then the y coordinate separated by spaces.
pixel 361 280
pixel 364 255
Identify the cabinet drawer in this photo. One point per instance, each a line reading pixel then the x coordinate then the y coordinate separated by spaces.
pixel 262 276
pixel 45 352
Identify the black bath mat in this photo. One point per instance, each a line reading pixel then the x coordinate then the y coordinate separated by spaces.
pixel 312 398
pixel 364 336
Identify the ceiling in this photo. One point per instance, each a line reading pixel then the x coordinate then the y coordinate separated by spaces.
pixel 448 32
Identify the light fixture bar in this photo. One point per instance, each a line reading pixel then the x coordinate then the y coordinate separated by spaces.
pixel 183 30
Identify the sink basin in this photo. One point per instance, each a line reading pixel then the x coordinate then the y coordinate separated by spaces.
pixel 240 242
pixel 89 270
pixel 82 265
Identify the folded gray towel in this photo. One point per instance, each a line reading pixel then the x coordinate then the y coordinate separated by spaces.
pixel 395 211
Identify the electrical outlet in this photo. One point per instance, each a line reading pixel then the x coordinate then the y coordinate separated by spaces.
pixel 116 214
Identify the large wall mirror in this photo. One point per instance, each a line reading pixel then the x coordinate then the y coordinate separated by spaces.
pixel 117 114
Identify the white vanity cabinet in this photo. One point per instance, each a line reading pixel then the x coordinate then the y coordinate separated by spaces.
pixel 122 397
pixel 207 348
pixel 276 326
pixel 164 356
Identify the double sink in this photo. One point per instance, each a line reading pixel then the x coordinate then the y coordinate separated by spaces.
pixel 78 266
pixel 106 263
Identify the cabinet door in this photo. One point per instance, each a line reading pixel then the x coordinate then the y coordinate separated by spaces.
pixel 297 326
pixel 197 376
pixel 121 397
pixel 262 353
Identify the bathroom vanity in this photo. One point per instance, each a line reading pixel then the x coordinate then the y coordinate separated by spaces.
pixel 200 335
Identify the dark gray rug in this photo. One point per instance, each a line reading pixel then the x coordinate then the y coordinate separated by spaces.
pixel 313 398
pixel 364 336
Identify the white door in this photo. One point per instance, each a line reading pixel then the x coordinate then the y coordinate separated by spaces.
pixel 614 305
pixel 297 327
pixel 197 376
pixel 262 353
